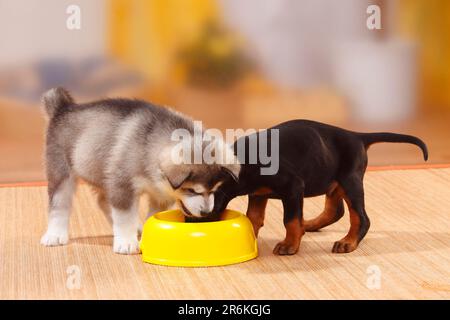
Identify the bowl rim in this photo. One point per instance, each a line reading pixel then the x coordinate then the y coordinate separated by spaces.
pixel 237 213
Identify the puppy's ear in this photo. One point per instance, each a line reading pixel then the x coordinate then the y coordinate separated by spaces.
pixel 233 170
pixel 176 174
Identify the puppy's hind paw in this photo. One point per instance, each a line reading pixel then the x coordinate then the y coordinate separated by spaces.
pixel 53 239
pixel 124 245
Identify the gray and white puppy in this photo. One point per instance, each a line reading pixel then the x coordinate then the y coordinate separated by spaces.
pixel 123 149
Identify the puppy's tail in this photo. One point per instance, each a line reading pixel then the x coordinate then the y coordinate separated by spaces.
pixel 371 138
pixel 55 99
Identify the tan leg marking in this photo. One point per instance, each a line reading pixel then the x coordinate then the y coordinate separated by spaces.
pixel 333 211
pixel 256 212
pixel 294 232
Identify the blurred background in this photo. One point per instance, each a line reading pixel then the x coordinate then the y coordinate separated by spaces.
pixel 231 64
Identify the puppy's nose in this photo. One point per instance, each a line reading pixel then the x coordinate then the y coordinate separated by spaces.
pixel 204 213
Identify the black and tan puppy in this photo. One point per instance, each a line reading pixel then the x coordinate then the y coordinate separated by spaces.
pixel 314 159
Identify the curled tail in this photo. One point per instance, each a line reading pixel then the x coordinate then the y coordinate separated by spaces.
pixel 55 99
pixel 371 138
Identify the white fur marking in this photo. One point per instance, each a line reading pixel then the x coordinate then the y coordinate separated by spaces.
pixel 198 188
pixel 210 202
pixel 216 186
pixel 58 218
pixel 126 228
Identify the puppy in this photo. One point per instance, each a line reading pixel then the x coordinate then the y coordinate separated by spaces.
pixel 124 148
pixel 314 159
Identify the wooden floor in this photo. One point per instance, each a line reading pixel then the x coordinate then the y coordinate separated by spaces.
pixel 409 244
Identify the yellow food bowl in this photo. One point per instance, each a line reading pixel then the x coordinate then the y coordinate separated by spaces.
pixel 168 240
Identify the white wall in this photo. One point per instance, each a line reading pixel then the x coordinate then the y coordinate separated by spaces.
pixel 35 29
pixel 295 39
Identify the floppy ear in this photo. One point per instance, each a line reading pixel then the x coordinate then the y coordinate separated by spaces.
pixel 176 174
pixel 233 170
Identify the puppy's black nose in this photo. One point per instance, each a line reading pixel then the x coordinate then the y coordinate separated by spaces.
pixel 204 213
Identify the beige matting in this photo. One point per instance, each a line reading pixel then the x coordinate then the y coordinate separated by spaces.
pixel 408 247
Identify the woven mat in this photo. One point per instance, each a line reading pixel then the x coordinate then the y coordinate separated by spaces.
pixel 405 255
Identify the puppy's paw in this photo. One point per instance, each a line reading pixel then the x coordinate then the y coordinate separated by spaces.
pixel 344 246
pixel 284 248
pixel 54 239
pixel 126 245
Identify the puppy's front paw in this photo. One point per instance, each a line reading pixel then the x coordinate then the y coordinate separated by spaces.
pixel 284 248
pixel 54 239
pixel 344 246
pixel 125 245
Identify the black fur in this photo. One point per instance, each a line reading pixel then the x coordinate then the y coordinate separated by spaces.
pixel 314 159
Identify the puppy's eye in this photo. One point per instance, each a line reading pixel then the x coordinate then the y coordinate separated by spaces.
pixel 190 190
